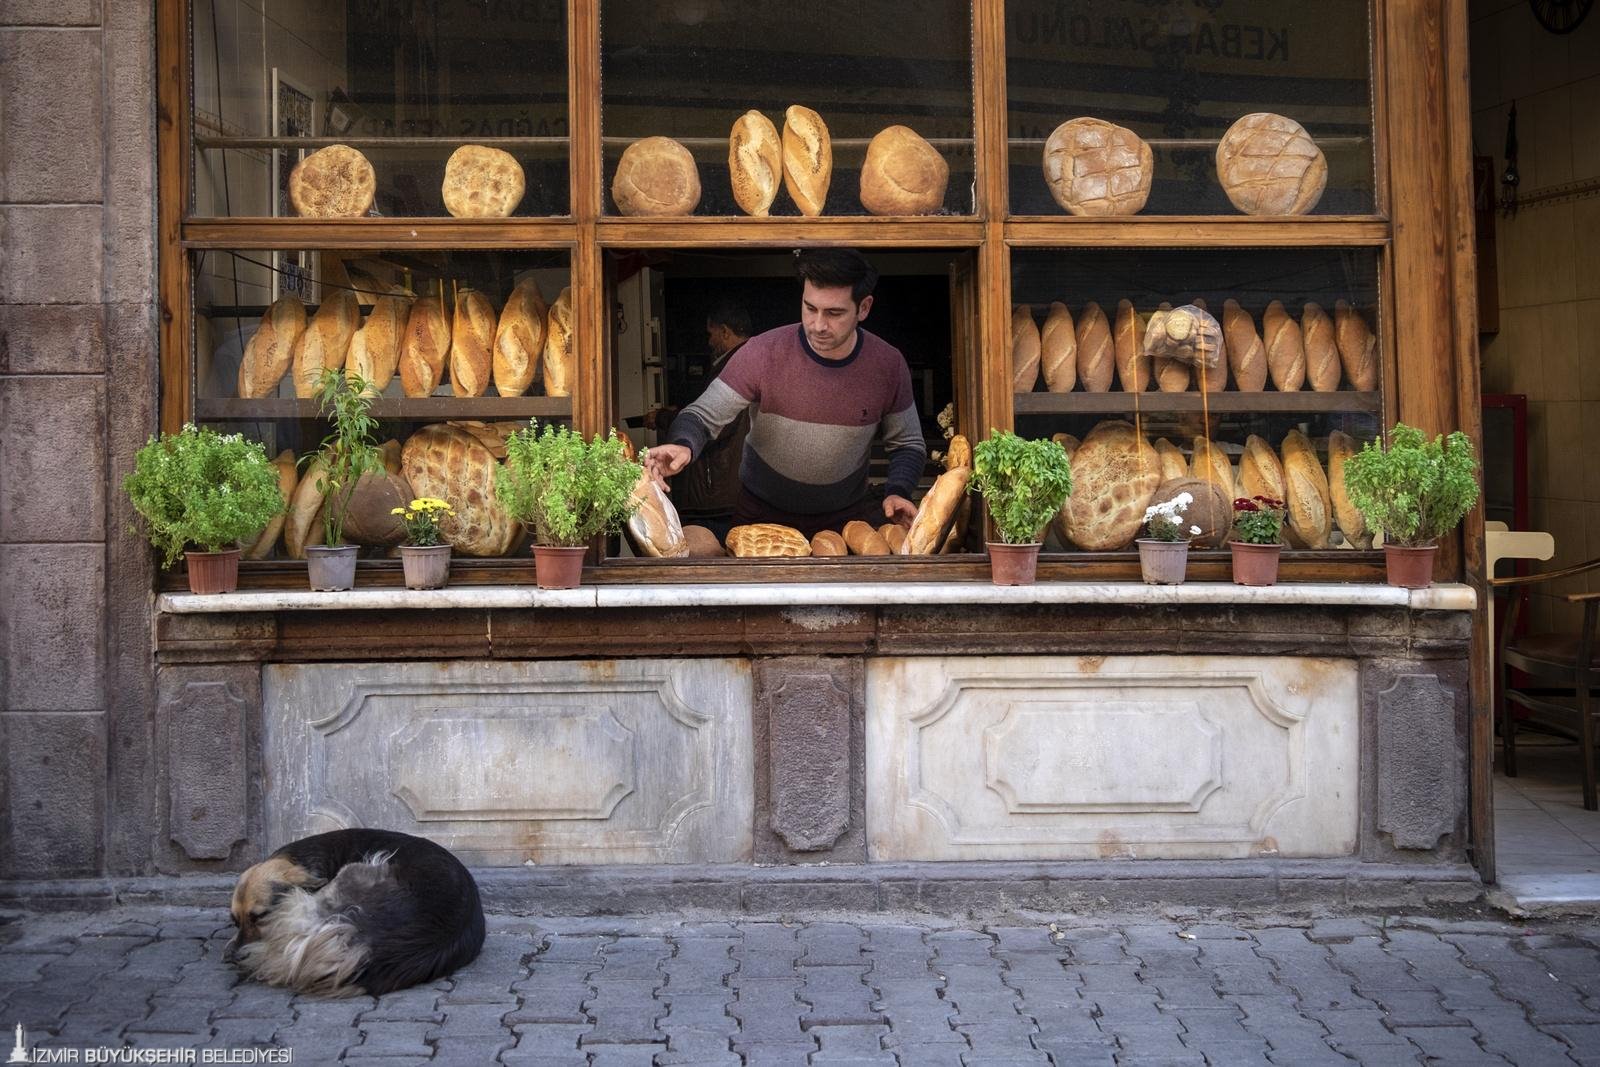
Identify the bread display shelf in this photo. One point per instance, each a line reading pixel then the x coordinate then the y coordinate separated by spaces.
pixel 423 408
pixel 224 141
pixel 1349 141
pixel 1224 403
pixel 1197 231
pixel 784 231
pixel 373 233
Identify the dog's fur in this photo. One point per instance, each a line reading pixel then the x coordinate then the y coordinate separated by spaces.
pixel 356 912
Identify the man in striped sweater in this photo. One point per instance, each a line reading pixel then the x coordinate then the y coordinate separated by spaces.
pixel 819 392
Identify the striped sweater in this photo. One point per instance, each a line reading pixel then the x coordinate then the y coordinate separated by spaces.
pixel 813 420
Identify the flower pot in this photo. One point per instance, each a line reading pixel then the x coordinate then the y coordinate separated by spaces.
pixel 1013 564
pixel 426 566
pixel 1163 562
pixel 1409 568
pixel 331 570
pixel 1255 564
pixel 213 572
pixel 556 567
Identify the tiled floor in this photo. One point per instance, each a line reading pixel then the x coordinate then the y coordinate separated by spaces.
pixel 1547 848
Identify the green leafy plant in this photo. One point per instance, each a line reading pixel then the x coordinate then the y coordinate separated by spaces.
pixel 1023 482
pixel 199 487
pixel 1415 490
pixel 422 518
pixel 564 489
pixel 349 451
pixel 1165 522
pixel 1257 520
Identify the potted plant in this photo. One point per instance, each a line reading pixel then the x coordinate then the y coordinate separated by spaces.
pixel 1164 550
pixel 1255 544
pixel 1024 483
pixel 567 492
pixel 347 453
pixel 1415 491
pixel 425 556
pixel 206 489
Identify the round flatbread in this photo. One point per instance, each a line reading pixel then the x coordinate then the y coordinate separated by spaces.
pixel 1094 167
pixel 482 183
pixel 335 182
pixel 1269 165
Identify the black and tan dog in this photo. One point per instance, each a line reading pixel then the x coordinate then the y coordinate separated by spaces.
pixel 356 912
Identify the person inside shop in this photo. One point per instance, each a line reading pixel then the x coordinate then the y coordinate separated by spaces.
pixel 818 392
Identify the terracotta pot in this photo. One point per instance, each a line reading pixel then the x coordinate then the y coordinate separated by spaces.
pixel 1163 562
pixel 1409 568
pixel 555 567
pixel 426 566
pixel 1013 564
pixel 1255 564
pixel 213 572
pixel 331 570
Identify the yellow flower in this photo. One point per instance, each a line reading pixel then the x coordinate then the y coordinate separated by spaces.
pixel 397 511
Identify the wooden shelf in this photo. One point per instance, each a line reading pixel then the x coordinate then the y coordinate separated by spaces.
pixel 379 233
pixel 421 408
pixel 926 231
pixel 206 140
pixel 1197 231
pixel 1225 403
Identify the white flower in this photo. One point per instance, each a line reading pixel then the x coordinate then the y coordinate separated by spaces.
pixel 1194 531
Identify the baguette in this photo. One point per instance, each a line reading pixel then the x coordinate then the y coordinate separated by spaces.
pixel 301 526
pixel 325 341
pixel 1358 348
pixel 958 453
pixel 828 543
pixel 375 348
pixel 1322 352
pixel 1260 471
pixel 937 513
pixel 1096 363
pixel 1133 367
pixel 1247 356
pixel 1068 443
pixel 425 347
pixel 471 344
pixel 1212 377
pixel 1310 509
pixel 1173 465
pixel 270 349
pixel 1286 352
pixel 755 163
pixel 1059 350
pixel 957 536
pixel 1352 524
pixel 807 159
pixel 1024 349
pixel 1171 375
pixel 559 362
pixel 864 540
pixel 519 339
pixel 894 535
pixel 288 479
pixel 1211 464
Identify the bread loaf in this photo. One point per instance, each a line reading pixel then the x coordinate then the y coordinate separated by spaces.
pixel 895 536
pixel 1310 506
pixel 1286 353
pixel 450 464
pixel 1353 524
pixel 1096 168
pixel 425 347
pixel 864 540
pixel 1210 463
pixel 1187 335
pixel 1358 348
pixel 937 513
pixel 654 527
pixel 703 544
pixel 807 159
pixel 903 174
pixel 482 183
pixel 755 163
pixel 560 364
pixel 1171 375
pixel 288 479
pixel 1209 508
pixel 1068 443
pixel 301 526
pixel 958 453
pixel 828 543
pixel 1096 361
pixel 335 182
pixel 369 517
pixel 1133 368
pixel 1247 356
pixel 957 537
pixel 1260 470
pixel 1115 473
pixel 1025 346
pixel 1058 350
pixel 1269 165
pixel 270 350
pixel 519 339
pixel 1173 465
pixel 325 341
pixel 1212 379
pixel 1322 351
pixel 767 539
pixel 656 177
pixel 375 347
pixel 471 344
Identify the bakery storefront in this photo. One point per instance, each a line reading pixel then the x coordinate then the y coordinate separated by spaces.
pixel 759 715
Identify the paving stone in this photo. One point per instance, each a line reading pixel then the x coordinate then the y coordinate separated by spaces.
pixel 698 1011
pixel 832 944
pixel 696 1046
pixel 242 1033
pixel 1359 1027
pixel 622 1055
pixel 1505 1031
pixel 1415 1009
pixel 253 1000
pixel 930 1055
pixel 471 1051
pixel 467 1020
pixel 1324 931
pixel 625 1010
pixel 769 1013
pixel 852 1040
pixel 776 1055
pixel 380 1039
pixel 548 1038
pixel 1450 1044
pixel 418 1005
pixel 1077 1053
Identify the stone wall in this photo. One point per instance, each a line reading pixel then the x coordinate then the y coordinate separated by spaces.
pixel 78 386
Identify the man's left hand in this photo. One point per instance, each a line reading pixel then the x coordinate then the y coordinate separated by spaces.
pixel 898 509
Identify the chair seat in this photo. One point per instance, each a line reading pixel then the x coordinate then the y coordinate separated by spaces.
pixel 1557 648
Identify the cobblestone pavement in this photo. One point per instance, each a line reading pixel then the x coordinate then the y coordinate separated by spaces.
pixel 876 990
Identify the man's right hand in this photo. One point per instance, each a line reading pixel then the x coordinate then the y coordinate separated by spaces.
pixel 666 460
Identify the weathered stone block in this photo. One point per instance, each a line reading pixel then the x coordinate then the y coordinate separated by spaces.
pixel 51 453
pixel 52 339
pixel 54 770
pixel 49 12
pixel 53 254
pixel 130 154
pixel 52 610
pixel 807 707
pixel 1417 764
pixel 50 102
pixel 205 715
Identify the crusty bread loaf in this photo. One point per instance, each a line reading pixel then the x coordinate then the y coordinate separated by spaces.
pixel 755 163
pixel 828 543
pixel 1310 505
pixel 560 364
pixel 1025 349
pixel 864 540
pixel 369 517
pixel 288 480
pixel 655 177
pixel 654 527
pixel 519 339
pixel 1353 524
pixel 1097 363
pixel 1323 370
pixel 767 539
pixel 1260 470
pixel 482 183
pixel 375 347
pixel 450 464
pixel 325 342
pixel 335 182
pixel 937 513
pixel 1094 167
pixel 895 535
pixel 1269 165
pixel 1058 350
pixel 270 350
pixel 954 541
pixel 1115 472
pixel 1209 508
pixel 807 159
pixel 1134 371
pixel 1068 443
pixel 1358 348
pixel 703 544
pixel 1286 352
pixel 1173 465
pixel 1247 356
pixel 426 346
pixel 1210 463
pixel 903 174
pixel 471 344
pixel 1211 377
pixel 301 526
pixel 958 453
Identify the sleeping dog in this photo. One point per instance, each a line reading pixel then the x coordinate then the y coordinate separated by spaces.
pixel 356 912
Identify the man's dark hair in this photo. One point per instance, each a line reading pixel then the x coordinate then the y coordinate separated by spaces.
pixel 829 268
pixel 733 316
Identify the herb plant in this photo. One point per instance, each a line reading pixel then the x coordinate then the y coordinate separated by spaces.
pixel 1023 482
pixel 1257 520
pixel 199 487
pixel 422 518
pixel 1415 490
pixel 349 451
pixel 1164 521
pixel 565 489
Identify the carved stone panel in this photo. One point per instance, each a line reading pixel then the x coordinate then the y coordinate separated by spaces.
pixel 1169 757
pixel 1417 761
pixel 205 715
pixel 619 761
pixel 808 716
